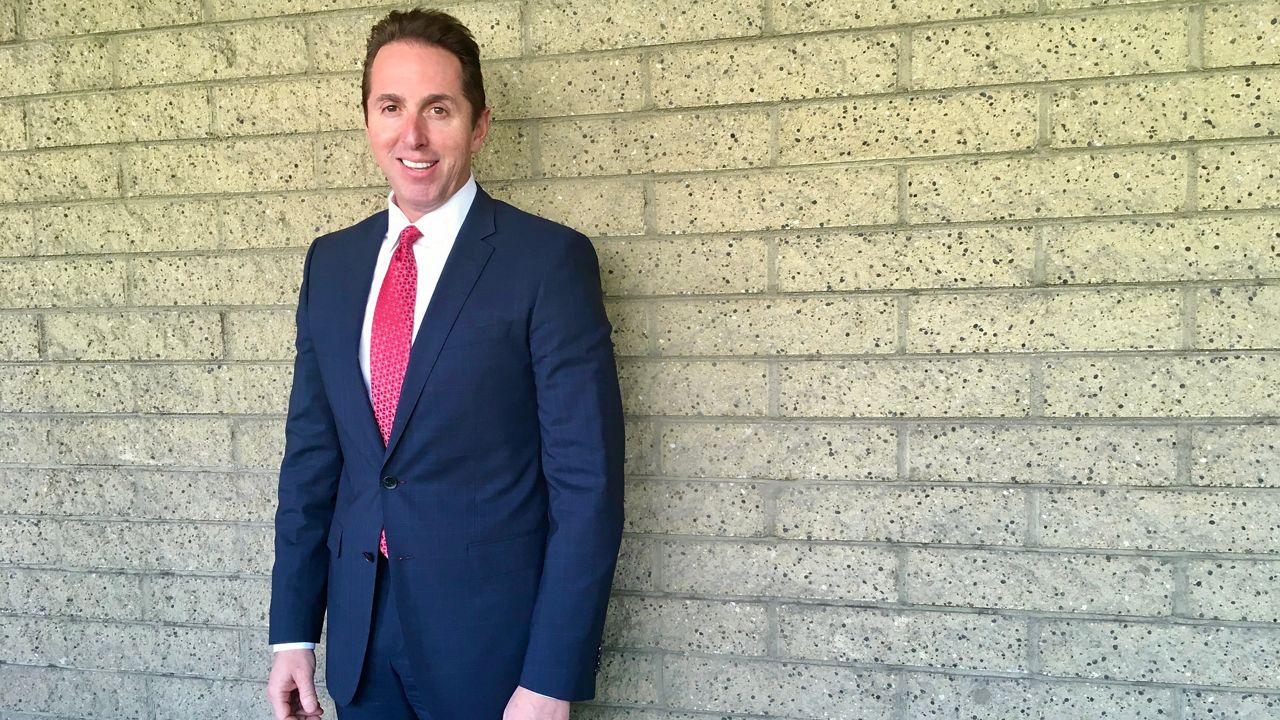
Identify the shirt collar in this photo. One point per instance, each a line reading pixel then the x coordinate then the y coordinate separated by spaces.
pixel 439 225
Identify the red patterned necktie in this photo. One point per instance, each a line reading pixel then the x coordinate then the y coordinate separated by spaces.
pixel 392 336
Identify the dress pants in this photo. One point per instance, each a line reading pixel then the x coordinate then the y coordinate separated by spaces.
pixel 386 690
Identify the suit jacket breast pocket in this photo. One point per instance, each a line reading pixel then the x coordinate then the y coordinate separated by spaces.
pixel 465 335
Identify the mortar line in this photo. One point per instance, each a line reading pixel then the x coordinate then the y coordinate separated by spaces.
pixel 1192 199
pixel 903 81
pixel 42 337
pixel 775 140
pixel 1036 400
pixel 768 22
pixel 1195 37
pixel 534 128
pixel 1034 661
pixel 1178 704
pixel 901 567
pixel 898 709
pixel 650 207
pixel 1181 591
pixel 904 451
pixel 771 283
pixel 904 194
pixel 1185 440
pixel 904 319
pixel 772 382
pixel 1040 256
pixel 1190 309
pixel 526 32
pixel 772 643
pixel 1031 510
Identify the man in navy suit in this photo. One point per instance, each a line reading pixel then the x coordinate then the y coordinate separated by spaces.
pixel 451 488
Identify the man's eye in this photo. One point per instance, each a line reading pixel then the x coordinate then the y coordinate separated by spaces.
pixel 390 108
pixel 437 110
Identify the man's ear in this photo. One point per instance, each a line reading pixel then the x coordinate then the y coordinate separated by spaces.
pixel 480 129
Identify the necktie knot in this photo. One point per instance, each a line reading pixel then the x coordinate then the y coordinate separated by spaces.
pixel 409 235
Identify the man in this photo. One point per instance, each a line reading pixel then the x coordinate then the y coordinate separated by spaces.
pixel 451 489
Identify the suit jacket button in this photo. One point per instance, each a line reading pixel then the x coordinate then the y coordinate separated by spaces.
pixel 390 482
pixel 368 556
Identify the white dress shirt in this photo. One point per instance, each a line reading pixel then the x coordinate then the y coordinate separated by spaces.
pixel 439 230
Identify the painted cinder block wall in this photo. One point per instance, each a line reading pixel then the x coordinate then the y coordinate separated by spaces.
pixel 947 329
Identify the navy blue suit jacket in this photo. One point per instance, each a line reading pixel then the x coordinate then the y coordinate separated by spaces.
pixel 501 486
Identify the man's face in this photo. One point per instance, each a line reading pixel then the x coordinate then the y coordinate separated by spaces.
pixel 419 124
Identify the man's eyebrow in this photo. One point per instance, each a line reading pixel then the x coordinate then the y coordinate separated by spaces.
pixel 428 100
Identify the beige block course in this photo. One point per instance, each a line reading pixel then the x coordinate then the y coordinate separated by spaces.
pixel 640 457
pixel 120 117
pixel 905 388
pixel 24 440
pixel 1215 704
pixel 1051 48
pixel 1052 582
pixel 1051 454
pixel 260 334
pixel 176 698
pixel 99 596
pixel 295 220
pixel 1243 176
pixel 809 326
pixel 695 508
pixel 39 68
pixel 176 441
pixel 17 235
pixel 19 337
pixel 802 16
pixel 971 516
pixel 73 693
pixel 774 69
pixel 596 208
pixel 902 637
pixel 670 142
pixel 203 496
pixel 1234 590
pixel 81 491
pixel 220 166
pixel 1165 386
pixel 344 161
pixel 1233 318
pixel 698 626
pixel 1241 34
pixel 669 387
pixel 238 602
pixel 1072 185
pixel 1222 521
pixel 13 127
pixel 909 126
pixel 260 443
pixel 62 283
pixel 791 451
pixel 212 53
pixel 133 336
pixel 796 690
pixel 288 106
pixel 999 256
pixel 1203 248
pixel 566 26
pixel 629 677
pixel 115 646
pixel 217 280
pixel 257 549
pixel 781 569
pixel 165 547
pixel 943 697
pixel 604 712
pixel 777 199
pixel 556 87
pixel 212 389
pixel 53 18
pixel 66 389
pixel 1041 322
pixel 1236 455
pixel 635 570
pixel 683 266
pixel 51 175
pixel 507 153
pixel 29 542
pixel 630 328
pixel 131 226
pixel 338 39
pixel 1141 652
pixel 8 23
pixel 1197 108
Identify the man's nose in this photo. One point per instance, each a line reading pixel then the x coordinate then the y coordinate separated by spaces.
pixel 415 132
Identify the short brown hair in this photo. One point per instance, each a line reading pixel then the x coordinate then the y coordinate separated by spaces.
pixel 430 27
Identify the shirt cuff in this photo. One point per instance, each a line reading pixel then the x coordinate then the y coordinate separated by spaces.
pixel 293 646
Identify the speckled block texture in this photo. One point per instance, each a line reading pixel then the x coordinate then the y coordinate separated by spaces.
pixel 948 333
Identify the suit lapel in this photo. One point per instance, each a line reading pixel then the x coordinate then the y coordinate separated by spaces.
pixel 461 270
pixel 348 321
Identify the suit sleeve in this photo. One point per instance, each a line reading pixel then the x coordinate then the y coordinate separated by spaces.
pixel 580 420
pixel 307 492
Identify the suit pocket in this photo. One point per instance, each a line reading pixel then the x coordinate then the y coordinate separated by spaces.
pixel 463 335
pixel 495 557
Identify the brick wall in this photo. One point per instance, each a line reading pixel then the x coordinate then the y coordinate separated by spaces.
pixel 947 329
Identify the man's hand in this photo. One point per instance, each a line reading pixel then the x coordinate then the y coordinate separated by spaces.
pixel 529 705
pixel 291 688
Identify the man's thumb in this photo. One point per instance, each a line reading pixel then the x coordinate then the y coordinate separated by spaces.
pixel 307 695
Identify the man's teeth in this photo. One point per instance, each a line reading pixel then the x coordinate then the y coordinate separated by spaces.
pixel 416 165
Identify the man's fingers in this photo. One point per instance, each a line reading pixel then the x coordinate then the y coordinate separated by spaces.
pixel 307 694
pixel 279 702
